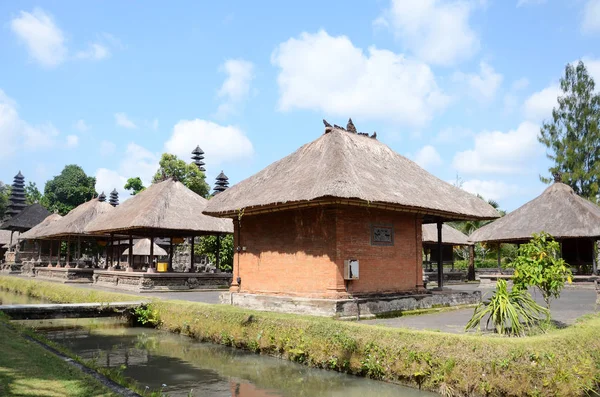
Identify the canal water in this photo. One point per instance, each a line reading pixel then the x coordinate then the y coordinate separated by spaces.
pixel 181 366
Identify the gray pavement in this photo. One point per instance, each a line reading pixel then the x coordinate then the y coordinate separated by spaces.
pixel 572 304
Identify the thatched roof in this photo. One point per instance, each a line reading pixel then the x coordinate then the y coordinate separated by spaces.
pixel 349 168
pixel 74 223
pixel 450 236
pixel 167 208
pixel 558 211
pixel 40 228
pixel 142 247
pixel 26 219
pixel 5 238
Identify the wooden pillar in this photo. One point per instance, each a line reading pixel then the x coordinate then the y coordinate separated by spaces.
pixel 440 256
pixel 594 256
pixel 192 255
pixel 68 252
pixel 50 254
pixel 170 268
pixel 218 255
pixel 471 272
pixel 78 248
pixel 10 249
pixel 130 267
pixel 499 258
pixel 152 253
pixel 59 253
pixel 39 242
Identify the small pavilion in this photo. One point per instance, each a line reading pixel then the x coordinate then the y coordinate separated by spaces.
pixel 559 211
pixel 142 251
pixel 32 236
pixel 450 239
pixel 165 209
pixel 339 218
pixel 24 220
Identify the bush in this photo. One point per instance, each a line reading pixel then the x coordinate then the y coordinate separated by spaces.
pixel 511 312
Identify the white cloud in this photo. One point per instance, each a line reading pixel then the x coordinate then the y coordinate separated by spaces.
pixel 482 86
pixel 522 3
pixel 539 105
pixel 331 75
pixel 43 38
pixel 17 134
pixel 435 31
pixel 123 121
pixel 107 148
pixel 511 98
pixel 107 180
pixel 81 126
pixel 95 51
pixel 153 125
pixel 519 84
pixel 428 157
pixel 236 87
pixel 220 143
pixel 591 17
pixel 593 67
pixel 501 152
pixel 491 189
pixel 72 141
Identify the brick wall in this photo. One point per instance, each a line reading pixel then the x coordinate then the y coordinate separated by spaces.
pixel 301 252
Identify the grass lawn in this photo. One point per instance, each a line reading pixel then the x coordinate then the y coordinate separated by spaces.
pixel 27 369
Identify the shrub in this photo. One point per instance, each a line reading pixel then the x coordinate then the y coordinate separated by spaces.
pixel 511 312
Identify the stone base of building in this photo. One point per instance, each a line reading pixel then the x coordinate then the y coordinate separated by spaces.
pixel 11 268
pixel 363 307
pixel 142 281
pixel 64 275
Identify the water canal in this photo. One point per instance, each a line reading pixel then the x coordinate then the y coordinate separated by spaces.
pixel 155 358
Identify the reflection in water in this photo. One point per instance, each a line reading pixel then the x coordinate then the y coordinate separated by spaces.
pixel 10 298
pixel 154 358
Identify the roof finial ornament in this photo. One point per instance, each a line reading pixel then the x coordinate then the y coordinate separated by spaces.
pixel 350 126
pixel 374 136
pixel 339 127
pixel 326 123
pixel 557 176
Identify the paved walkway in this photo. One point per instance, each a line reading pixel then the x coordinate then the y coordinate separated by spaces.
pixel 573 303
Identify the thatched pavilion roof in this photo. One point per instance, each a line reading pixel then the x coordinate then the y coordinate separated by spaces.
pixel 142 247
pixel 450 236
pixel 167 208
pixel 349 168
pixel 40 228
pixel 74 223
pixel 557 211
pixel 26 219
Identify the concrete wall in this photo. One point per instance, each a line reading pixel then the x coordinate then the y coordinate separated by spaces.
pixel 301 252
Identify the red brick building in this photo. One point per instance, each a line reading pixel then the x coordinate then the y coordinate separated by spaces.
pixel 343 201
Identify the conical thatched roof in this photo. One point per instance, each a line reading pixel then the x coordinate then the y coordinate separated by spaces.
pixel 450 236
pixel 349 168
pixel 27 218
pixel 74 223
pixel 167 208
pixel 558 211
pixel 142 247
pixel 40 228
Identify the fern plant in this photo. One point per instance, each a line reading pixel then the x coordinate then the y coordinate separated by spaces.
pixel 511 313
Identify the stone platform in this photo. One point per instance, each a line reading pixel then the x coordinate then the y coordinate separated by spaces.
pixel 363 307
pixel 142 281
pixel 64 275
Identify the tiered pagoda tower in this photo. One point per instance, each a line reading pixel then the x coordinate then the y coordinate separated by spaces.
pixel 114 198
pixel 17 196
pixel 222 183
pixel 198 157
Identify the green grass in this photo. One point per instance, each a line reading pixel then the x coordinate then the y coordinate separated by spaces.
pixel 27 369
pixel 561 362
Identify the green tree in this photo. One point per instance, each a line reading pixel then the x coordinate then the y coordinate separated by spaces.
pixel 4 195
pixel 539 265
pixel 573 134
pixel 68 190
pixel 208 246
pixel 172 167
pixel 135 185
pixel 32 194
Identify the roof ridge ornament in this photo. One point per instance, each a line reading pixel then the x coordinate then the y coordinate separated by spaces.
pixel 557 176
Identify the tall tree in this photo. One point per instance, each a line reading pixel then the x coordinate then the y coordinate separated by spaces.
pixel 4 195
pixel 68 190
pixel 573 134
pixel 135 185
pixel 172 167
pixel 32 194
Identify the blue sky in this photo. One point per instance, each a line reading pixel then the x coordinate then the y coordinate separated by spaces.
pixel 459 86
